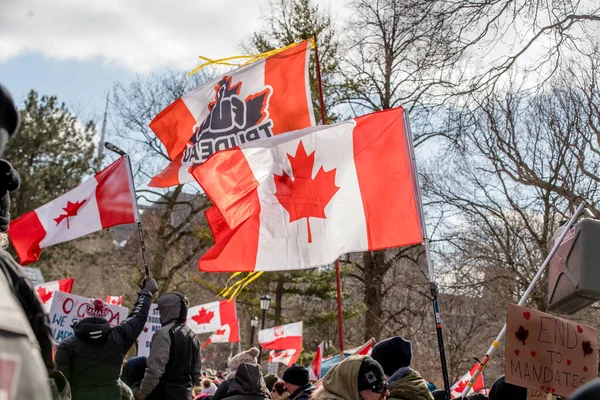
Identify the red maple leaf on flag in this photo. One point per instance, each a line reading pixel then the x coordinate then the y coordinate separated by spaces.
pixel 220 332
pixel 203 317
pixel 71 210
pixel 44 294
pixel 305 196
pixel 460 387
pixel 145 329
pixel 284 355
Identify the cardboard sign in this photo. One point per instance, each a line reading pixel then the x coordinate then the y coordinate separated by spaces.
pixel 548 354
pixel 69 308
pixel 533 394
pixel 150 328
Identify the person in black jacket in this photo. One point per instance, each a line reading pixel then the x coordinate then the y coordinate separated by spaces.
pixel 92 358
pixel 297 383
pixel 175 362
pixel 248 384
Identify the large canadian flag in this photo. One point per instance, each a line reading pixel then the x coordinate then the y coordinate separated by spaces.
pixel 265 98
pixel 106 200
pixel 287 357
pixel 282 337
pixel 457 389
pixel 315 367
pixel 212 316
pixel 45 291
pixel 302 199
pixel 116 300
pixel 228 333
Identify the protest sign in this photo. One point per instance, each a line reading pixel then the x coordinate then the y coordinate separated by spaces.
pixel 68 308
pixel 547 353
pixel 533 394
pixel 152 325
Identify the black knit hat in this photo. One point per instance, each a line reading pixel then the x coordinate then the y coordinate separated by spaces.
pixel 393 353
pixel 371 376
pixel 296 375
pixel 9 182
pixel 501 390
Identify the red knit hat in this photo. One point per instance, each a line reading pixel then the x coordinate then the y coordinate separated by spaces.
pixel 96 308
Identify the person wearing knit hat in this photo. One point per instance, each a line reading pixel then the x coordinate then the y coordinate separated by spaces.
pixel 358 377
pixel 92 358
pixel 270 380
pixel 245 357
pixel 296 382
pixel 395 355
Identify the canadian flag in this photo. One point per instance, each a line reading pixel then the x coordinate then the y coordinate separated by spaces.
pixel 116 300
pixel 287 357
pixel 106 200
pixel 265 98
pixel 457 389
pixel 213 316
pixel 282 337
pixel 45 291
pixel 228 333
pixel 315 367
pixel 302 199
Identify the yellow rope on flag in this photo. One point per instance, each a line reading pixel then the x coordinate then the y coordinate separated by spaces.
pixel 233 290
pixel 249 58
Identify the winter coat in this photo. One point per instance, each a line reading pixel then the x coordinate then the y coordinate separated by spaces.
pixel 303 393
pixel 174 363
pixel 91 360
pixel 17 338
pixel 408 384
pixel 341 381
pixel 248 384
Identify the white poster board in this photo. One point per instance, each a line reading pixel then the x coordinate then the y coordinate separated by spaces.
pixel 152 326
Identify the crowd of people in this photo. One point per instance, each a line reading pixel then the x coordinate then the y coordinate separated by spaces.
pixel 90 364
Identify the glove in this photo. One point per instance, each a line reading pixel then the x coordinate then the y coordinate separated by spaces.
pixel 150 286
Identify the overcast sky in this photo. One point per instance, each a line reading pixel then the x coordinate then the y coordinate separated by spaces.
pixel 77 49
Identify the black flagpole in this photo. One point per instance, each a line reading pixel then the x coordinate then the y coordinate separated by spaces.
pixel 138 221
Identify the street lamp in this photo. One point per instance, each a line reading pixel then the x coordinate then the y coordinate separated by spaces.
pixel 253 325
pixel 265 303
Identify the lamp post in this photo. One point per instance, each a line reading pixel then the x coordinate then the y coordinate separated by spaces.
pixel 265 303
pixel 253 325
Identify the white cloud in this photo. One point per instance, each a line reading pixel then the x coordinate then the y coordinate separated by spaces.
pixel 141 35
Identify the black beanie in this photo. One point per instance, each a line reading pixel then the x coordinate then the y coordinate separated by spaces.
pixel 501 390
pixel 370 375
pixel 439 394
pixel 589 391
pixel 393 353
pixel 9 182
pixel 296 375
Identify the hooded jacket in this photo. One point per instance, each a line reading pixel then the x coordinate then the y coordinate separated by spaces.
pixel 174 363
pixel 408 384
pixel 248 384
pixel 91 360
pixel 341 381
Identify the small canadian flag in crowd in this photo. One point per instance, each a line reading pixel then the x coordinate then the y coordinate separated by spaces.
pixel 457 389
pixel 45 291
pixel 115 300
pixel 287 357
pixel 315 367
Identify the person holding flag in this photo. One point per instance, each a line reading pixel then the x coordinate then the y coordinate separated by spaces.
pixel 92 358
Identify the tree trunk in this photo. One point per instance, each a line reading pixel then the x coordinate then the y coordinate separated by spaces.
pixel 374 271
pixel 279 297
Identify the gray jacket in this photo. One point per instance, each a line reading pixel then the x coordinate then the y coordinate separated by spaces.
pixel 174 364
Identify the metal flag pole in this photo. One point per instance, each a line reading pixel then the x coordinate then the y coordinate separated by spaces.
pixel 496 343
pixel 338 280
pixel 432 284
pixel 138 221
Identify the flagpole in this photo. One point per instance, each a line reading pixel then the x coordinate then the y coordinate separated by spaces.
pixel 338 280
pixel 432 284
pixel 138 221
pixel 496 343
